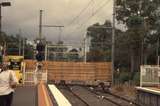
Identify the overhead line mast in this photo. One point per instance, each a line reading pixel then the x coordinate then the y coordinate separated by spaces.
pixel 113 39
pixel 40 26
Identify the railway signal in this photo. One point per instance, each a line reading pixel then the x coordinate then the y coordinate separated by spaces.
pixel 40 52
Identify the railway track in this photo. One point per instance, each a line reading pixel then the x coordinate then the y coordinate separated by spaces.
pixel 68 88
pixel 115 99
pixel 122 98
pixel 102 96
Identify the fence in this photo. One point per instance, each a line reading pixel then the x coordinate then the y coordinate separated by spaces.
pixel 76 71
pixel 31 78
pixel 150 76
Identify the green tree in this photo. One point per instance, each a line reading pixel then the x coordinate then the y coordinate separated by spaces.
pixel 100 42
pixel 139 18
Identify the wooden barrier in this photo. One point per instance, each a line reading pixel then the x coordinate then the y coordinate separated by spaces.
pixel 76 71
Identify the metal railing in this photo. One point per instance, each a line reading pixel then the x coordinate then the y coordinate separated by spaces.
pixel 150 76
pixel 32 77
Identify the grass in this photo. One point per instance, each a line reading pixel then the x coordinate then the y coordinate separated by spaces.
pixel 125 90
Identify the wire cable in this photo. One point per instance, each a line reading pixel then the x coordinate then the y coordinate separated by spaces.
pixel 82 11
pixel 101 7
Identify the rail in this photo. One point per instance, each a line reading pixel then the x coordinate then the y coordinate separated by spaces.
pixel 76 95
pixel 113 98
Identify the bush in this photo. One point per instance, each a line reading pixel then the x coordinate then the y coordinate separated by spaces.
pixel 124 77
pixel 136 78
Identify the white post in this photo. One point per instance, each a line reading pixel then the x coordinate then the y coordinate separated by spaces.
pixel 85 51
pixel 46 48
pixel 24 69
pixel 141 69
pixel 158 60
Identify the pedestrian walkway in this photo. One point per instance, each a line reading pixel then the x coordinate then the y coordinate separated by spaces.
pixel 25 96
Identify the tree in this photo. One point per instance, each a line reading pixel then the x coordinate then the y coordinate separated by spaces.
pixel 138 16
pixel 100 42
pixel 12 45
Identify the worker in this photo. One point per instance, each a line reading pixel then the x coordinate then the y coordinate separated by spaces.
pixel 8 82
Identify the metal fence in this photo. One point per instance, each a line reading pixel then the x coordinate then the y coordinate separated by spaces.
pixel 34 77
pixel 150 76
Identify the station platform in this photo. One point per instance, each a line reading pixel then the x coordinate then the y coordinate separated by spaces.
pixel 39 95
pixel 25 96
pixel 153 90
pixel 148 96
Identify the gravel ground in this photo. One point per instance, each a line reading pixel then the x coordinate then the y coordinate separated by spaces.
pixel 72 99
pixel 86 95
pixel 90 98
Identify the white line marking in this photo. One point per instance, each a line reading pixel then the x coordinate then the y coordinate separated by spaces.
pixel 59 97
pixel 149 90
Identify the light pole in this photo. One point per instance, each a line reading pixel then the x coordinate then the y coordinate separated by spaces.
pixel 113 39
pixel 3 4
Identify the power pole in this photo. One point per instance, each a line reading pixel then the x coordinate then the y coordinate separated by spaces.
pixel 20 42
pixel 158 52
pixel 46 52
pixel 23 46
pixel 40 25
pixel 0 21
pixel 59 38
pixel 85 50
pixel 113 38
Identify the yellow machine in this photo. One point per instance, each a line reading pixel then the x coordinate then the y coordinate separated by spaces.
pixel 16 64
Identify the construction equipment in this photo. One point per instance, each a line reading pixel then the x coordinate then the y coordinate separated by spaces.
pixel 16 64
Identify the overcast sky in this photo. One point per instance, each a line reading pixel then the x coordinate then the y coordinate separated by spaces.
pixel 24 15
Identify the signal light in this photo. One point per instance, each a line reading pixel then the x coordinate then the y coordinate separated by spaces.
pixel 40 47
pixel 39 56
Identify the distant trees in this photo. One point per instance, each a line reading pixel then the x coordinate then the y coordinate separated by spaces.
pixel 100 42
pixel 135 45
pixel 140 18
pixel 12 43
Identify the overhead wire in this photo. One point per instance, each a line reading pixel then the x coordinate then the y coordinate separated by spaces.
pixel 93 2
pixel 93 14
pixel 81 12
pixel 101 7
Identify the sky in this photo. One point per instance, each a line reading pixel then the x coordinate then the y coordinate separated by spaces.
pixel 23 16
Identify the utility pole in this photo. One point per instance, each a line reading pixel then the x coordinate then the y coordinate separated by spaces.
pixel 0 20
pixel 158 52
pixel 85 51
pixel 23 45
pixel 3 4
pixel 59 38
pixel 40 25
pixel 113 38
pixel 20 42
pixel 46 52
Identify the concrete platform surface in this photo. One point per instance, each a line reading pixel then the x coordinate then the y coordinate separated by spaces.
pixel 25 96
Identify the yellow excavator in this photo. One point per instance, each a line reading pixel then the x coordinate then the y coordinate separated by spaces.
pixel 16 63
